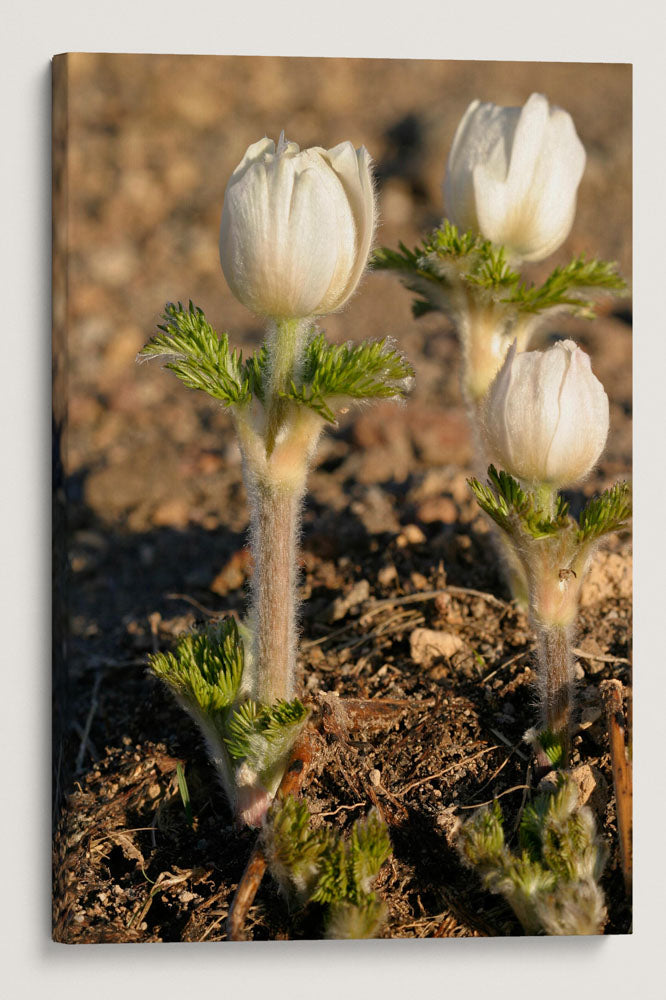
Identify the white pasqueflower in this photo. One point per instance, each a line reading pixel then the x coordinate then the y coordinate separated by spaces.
pixel 545 417
pixel 297 227
pixel 512 175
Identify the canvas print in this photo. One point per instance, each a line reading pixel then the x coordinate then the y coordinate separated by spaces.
pixel 342 462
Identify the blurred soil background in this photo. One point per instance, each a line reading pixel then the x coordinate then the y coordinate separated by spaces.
pixel 150 516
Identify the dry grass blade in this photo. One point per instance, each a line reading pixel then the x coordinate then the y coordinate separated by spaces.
pixel 611 691
pixel 85 741
pixel 430 595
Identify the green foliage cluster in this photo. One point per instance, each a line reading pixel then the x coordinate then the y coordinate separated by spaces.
pixel 264 734
pixel 511 507
pixel 203 360
pixel 552 883
pixel 369 370
pixel 205 669
pixel 517 511
pixel 447 258
pixel 606 513
pixel 200 358
pixel 205 672
pixel 322 866
pixel 553 746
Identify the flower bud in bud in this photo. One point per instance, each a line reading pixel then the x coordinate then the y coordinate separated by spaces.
pixel 545 417
pixel 297 227
pixel 512 175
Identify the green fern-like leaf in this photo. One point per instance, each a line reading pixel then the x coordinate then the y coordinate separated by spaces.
pixel 481 840
pixel 605 513
pixel 568 286
pixel 553 746
pixel 255 371
pixel 370 370
pixel 552 883
pixel 349 867
pixel 369 847
pixel 205 669
pixel 198 357
pixel 510 506
pixel 263 734
pixel 293 849
pixel 356 921
pixel 448 241
pixel 322 866
pixel 447 256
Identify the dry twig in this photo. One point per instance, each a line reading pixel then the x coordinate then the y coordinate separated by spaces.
pixel 611 692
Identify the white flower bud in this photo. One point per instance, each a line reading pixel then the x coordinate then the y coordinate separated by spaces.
pixel 512 175
pixel 297 227
pixel 545 418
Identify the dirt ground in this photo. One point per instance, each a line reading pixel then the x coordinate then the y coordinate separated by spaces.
pixel 150 512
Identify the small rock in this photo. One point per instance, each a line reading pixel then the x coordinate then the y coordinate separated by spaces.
pixel 592 787
pixel 437 509
pixel 387 574
pixel 375 777
pixel 578 672
pixel 172 513
pixel 426 644
pixel 233 574
pixel 341 605
pixel 411 534
pixel 375 511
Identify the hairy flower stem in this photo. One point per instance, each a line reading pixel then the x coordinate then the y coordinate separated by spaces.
pixel 275 529
pixel 553 598
pixel 275 474
pixel 285 344
pixel 556 682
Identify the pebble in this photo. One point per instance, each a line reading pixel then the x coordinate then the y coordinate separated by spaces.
pixel 387 574
pixel 341 605
pixel 411 534
pixel 426 644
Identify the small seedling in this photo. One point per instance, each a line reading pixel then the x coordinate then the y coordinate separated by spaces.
pixel 554 550
pixel 184 794
pixel 321 866
pixel 552 883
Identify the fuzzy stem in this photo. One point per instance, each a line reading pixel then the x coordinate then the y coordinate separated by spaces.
pixel 556 681
pixel 546 495
pixel 275 529
pixel 284 343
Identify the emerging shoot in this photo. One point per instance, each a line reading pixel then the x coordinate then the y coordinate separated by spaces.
pixel 552 883
pixel 322 866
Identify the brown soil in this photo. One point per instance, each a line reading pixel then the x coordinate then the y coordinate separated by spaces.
pixel 151 515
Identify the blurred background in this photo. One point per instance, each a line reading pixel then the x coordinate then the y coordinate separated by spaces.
pixel 150 144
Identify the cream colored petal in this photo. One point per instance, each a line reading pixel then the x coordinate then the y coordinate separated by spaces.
pixel 253 154
pixel 484 136
pixel 583 423
pixel 353 169
pixel 496 428
pixel 274 247
pixel 551 203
